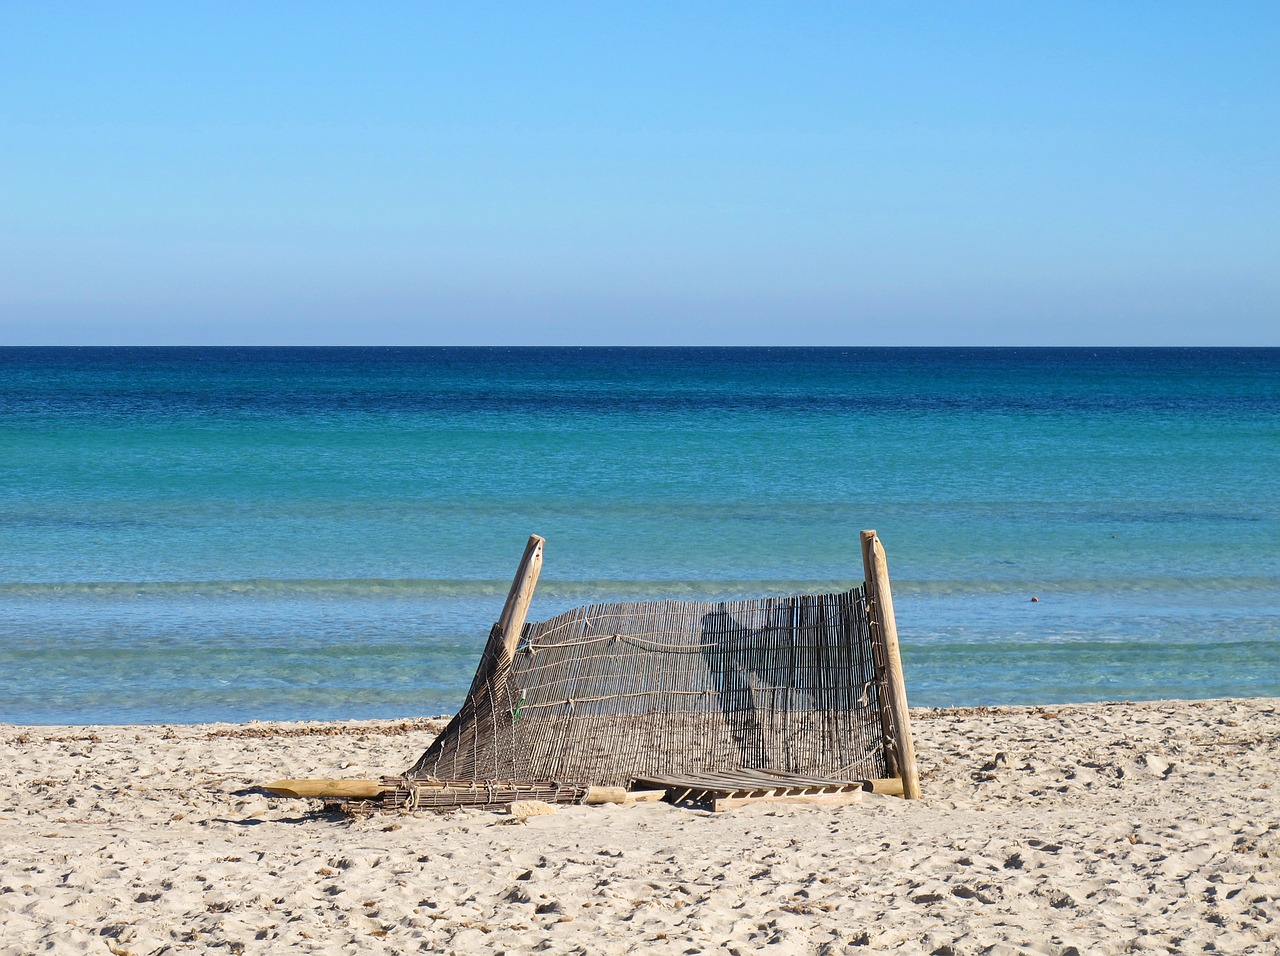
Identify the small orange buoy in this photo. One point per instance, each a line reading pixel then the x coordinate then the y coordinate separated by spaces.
pixel 1034 598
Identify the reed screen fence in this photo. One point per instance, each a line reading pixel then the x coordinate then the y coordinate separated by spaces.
pixel 607 693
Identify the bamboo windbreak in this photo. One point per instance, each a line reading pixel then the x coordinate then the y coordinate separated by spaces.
pixel 608 693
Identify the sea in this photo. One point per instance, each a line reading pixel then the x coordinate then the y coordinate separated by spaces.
pixel 231 534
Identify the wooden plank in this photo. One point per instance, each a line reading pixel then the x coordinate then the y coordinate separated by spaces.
pixel 355 789
pixel 760 777
pixel 682 782
pixel 605 795
pixel 786 775
pixel 739 779
pixel 802 780
pixel 646 796
pixel 742 778
pixel 745 780
pixel 886 628
pixel 737 789
pixel 889 785
pixel 721 776
pixel 817 799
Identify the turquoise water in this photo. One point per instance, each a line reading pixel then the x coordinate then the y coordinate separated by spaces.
pixel 198 534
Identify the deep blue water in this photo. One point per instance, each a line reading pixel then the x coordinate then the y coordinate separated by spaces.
pixel 193 534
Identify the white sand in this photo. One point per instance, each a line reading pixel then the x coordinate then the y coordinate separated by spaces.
pixel 1107 828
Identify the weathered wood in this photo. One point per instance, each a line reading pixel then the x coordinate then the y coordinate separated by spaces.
pixel 745 779
pixel 888 747
pixel 516 608
pixel 891 786
pixel 646 796
pixel 354 789
pixel 605 795
pixel 786 778
pixel 725 789
pixel 825 799
pixel 885 630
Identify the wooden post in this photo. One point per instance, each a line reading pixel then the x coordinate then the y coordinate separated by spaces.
pixel 885 631
pixel 487 704
pixel 501 651
pixel 353 789
pixel 879 660
pixel 514 612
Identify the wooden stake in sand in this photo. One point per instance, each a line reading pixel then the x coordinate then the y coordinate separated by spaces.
pixel 516 609
pixel 884 628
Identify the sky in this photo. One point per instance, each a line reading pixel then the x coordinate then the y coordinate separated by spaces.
pixel 802 173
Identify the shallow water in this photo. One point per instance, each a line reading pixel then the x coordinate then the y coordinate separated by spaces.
pixel 199 534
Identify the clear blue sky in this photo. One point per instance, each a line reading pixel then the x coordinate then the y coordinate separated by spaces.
pixel 650 173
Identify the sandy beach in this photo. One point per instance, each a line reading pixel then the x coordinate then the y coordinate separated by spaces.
pixel 1098 828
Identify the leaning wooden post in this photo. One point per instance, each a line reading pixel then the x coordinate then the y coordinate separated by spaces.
pixel 514 612
pixel 506 637
pixel 487 704
pixel 885 632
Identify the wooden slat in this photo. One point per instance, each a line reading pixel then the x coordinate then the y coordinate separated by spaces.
pixel 319 789
pixel 801 778
pixel 723 790
pixel 646 796
pixel 746 780
pixel 748 777
pixel 821 799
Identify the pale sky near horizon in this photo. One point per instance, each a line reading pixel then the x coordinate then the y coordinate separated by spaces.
pixel 649 174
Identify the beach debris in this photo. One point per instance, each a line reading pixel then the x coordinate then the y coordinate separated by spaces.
pixel 322 789
pixel 726 790
pixel 608 694
pixel 669 697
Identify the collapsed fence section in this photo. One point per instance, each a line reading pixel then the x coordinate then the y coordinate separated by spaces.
pixel 609 693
